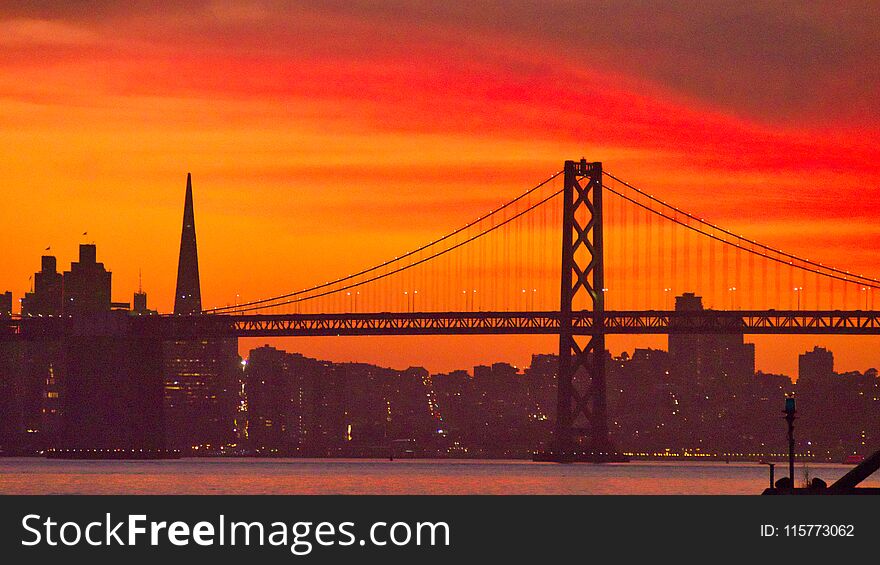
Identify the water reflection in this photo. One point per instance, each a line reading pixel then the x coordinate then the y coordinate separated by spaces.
pixel 304 476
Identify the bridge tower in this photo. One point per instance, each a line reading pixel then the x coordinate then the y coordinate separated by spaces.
pixel 581 420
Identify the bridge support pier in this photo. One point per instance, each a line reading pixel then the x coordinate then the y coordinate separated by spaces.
pixel 581 432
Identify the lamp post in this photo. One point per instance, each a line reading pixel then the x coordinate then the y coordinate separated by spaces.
pixel 789 418
pixel 797 292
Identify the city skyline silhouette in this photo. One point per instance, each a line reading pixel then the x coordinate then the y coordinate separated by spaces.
pixel 661 297
pixel 114 377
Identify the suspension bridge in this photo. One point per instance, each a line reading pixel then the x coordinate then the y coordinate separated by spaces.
pixel 581 255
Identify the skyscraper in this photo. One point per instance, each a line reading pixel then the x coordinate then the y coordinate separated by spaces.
pixel 201 385
pixel 188 297
pixel 201 376
pixel 701 358
pixel 139 306
pixel 86 286
pixel 36 382
pixel 815 366
pixel 45 299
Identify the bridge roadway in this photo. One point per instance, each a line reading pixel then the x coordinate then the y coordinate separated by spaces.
pixel 613 322
pixel 171 327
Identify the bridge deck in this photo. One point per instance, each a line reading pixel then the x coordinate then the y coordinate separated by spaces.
pixel 612 322
pixel 470 323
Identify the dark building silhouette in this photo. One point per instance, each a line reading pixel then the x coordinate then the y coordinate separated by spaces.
pixel 292 406
pixel 188 296
pixel 415 415
pixel 139 303
pixel 815 365
pixel 201 390
pixel 36 368
pixel 541 382
pixel 201 375
pixel 97 385
pixel 111 393
pixel 499 411
pixel 106 387
pixel 643 403
pixel 275 402
pixel 386 407
pixel 12 426
pixel 86 286
pixel 700 358
pixel 707 372
pixel 454 394
pixel 837 412
pixel 500 394
pixel 6 304
pixel 298 405
pixel 39 386
pixel 46 297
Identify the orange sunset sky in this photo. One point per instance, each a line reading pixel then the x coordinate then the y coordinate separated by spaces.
pixel 327 136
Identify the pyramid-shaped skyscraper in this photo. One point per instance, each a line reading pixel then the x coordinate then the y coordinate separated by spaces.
pixel 188 298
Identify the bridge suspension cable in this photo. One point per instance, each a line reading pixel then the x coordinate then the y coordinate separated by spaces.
pixel 650 262
pixel 747 249
pixel 277 300
pixel 298 296
pixel 819 268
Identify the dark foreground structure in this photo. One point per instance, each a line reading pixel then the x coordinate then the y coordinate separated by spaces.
pixel 847 484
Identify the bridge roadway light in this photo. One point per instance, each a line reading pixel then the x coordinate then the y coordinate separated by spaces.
pixel 797 291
